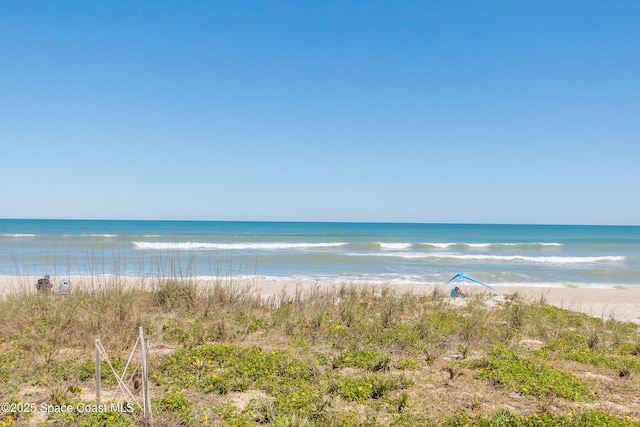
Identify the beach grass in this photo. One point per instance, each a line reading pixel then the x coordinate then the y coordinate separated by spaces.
pixel 223 353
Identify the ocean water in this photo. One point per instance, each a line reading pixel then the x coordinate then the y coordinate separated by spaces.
pixel 530 255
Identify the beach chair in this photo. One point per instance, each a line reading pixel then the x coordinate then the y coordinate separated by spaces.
pixel 64 287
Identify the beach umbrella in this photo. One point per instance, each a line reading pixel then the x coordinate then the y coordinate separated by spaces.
pixel 461 276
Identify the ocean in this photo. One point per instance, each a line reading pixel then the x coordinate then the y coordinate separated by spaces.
pixel 375 253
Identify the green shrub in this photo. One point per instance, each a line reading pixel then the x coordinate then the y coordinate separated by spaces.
pixel 370 387
pixel 530 377
pixel 175 403
pixel 98 419
pixel 369 360
pixel 87 370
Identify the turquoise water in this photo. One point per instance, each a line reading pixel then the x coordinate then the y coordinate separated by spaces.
pixel 532 255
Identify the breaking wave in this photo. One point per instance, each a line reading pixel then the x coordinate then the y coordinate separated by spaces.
pixel 182 246
pixel 500 258
pixel 394 246
pixel 488 245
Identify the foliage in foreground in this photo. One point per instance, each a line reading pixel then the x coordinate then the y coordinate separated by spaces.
pixel 339 356
pixel 530 376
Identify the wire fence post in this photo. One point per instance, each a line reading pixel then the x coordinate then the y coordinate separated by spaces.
pixel 145 376
pixel 120 378
pixel 98 368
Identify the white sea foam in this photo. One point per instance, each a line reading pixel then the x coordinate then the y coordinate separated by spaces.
pixel 439 245
pixel 232 246
pixel 365 279
pixel 488 245
pixel 529 244
pixel 550 259
pixel 499 258
pixel 18 235
pixel 399 279
pixel 394 246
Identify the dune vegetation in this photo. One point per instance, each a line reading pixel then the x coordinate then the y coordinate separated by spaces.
pixel 220 353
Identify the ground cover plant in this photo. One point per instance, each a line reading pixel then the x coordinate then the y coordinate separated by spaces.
pixel 350 355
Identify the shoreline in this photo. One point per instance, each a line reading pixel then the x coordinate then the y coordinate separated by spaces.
pixel 622 304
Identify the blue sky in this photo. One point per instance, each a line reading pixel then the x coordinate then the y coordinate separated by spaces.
pixel 420 111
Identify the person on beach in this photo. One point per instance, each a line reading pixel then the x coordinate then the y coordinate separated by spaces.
pixel 456 292
pixel 44 283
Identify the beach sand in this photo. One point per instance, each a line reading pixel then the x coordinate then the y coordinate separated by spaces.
pixel 605 303
pixel 621 304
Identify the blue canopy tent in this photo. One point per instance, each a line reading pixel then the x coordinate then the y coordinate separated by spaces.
pixel 461 276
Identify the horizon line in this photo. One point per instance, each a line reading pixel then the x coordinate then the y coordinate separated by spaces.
pixel 326 222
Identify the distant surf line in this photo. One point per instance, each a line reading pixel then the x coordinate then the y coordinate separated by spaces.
pixel 492 244
pixel 497 258
pixel 232 246
pixel 404 245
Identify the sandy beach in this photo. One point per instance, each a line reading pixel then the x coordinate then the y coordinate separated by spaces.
pixel 606 303
pixel 621 304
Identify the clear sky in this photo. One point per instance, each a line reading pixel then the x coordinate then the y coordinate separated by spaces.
pixel 420 111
